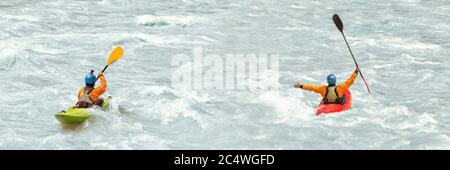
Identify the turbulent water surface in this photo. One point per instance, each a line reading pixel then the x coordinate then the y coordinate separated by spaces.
pixel 46 48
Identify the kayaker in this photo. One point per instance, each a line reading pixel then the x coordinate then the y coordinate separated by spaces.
pixel 331 94
pixel 89 95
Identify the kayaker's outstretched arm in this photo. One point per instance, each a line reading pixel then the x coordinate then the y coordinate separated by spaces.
pixel 344 86
pixel 318 89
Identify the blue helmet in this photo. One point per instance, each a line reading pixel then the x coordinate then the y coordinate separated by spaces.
pixel 331 79
pixel 90 78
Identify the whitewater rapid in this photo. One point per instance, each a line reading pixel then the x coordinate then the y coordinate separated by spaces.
pixel 46 48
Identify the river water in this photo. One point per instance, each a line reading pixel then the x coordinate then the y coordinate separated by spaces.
pixel 402 46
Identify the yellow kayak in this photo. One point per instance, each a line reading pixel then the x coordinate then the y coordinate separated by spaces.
pixel 79 115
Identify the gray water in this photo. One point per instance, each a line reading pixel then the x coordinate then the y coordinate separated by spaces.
pixel 46 48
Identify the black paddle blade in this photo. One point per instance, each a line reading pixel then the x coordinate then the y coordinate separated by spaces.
pixel 338 22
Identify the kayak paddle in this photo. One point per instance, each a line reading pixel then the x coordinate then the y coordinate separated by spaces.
pixel 340 26
pixel 115 55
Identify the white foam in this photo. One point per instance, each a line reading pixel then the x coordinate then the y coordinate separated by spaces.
pixel 290 109
pixel 151 20
pixel 170 110
pixel 10 56
pixel 295 6
pixel 161 41
pixel 395 42
pixel 268 80
pixel 23 18
pixel 421 122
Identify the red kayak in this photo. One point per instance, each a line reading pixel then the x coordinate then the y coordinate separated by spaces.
pixel 333 108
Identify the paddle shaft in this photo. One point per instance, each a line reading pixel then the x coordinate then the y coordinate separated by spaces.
pixel 356 63
pixel 105 68
pixel 102 72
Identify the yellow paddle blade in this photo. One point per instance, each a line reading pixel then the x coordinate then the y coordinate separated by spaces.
pixel 116 54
